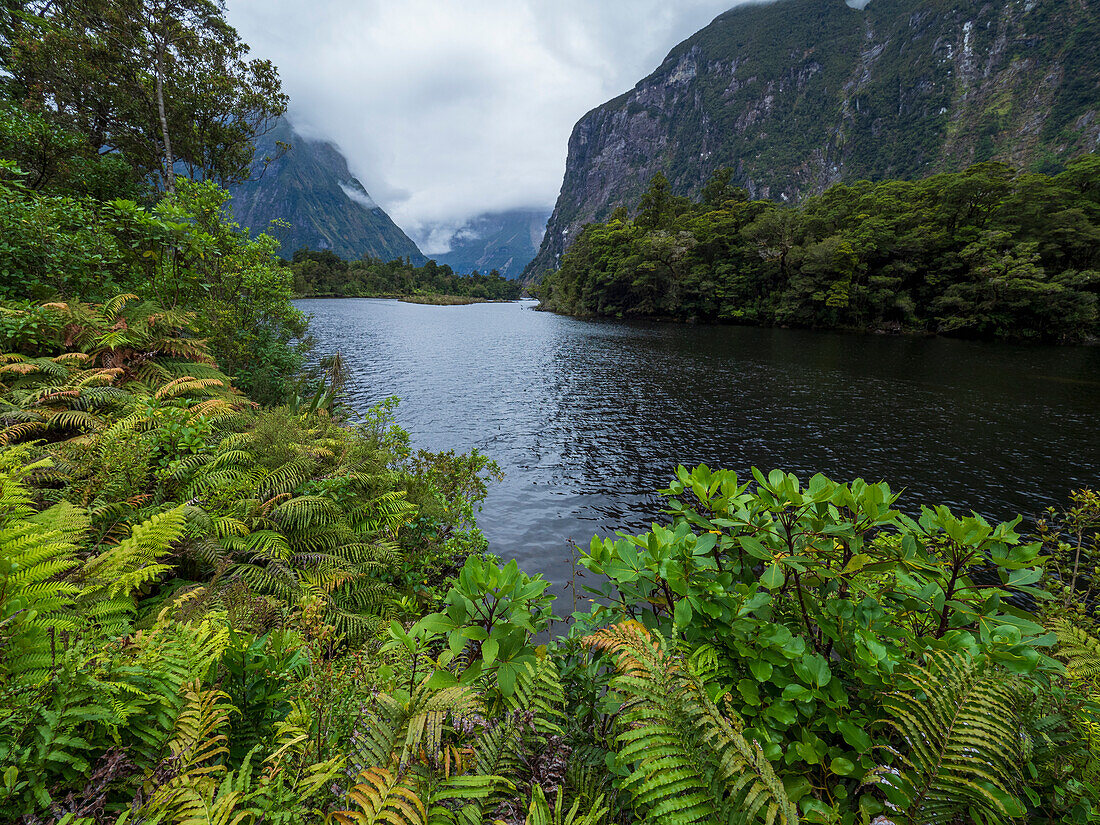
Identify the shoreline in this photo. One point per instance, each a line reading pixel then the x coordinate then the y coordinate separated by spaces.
pixel 891 332
pixel 434 300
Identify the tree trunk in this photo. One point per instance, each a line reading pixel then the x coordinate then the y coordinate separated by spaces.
pixel 169 161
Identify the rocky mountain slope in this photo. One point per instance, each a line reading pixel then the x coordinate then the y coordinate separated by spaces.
pixel 799 94
pixel 310 188
pixel 504 241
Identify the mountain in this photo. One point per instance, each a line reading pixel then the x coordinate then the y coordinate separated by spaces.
pixel 504 241
pixel 800 94
pixel 310 188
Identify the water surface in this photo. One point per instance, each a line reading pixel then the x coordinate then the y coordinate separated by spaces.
pixel 589 418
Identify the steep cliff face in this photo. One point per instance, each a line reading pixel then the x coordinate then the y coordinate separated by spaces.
pixel 504 241
pixel 311 188
pixel 799 94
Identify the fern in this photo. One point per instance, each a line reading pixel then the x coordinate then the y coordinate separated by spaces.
pixel 687 762
pixel 540 812
pixel 962 728
pixel 538 691
pixel 110 579
pixel 193 795
pixel 35 600
pixel 1080 651
pixel 384 799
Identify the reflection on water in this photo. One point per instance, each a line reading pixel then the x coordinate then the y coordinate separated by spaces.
pixel 589 419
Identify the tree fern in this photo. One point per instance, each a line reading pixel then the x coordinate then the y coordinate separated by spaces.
pixel 961 728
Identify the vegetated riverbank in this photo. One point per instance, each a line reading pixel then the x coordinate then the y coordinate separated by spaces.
pixel 324 274
pixel 985 253
pixel 449 300
pixel 893 329
pixel 300 586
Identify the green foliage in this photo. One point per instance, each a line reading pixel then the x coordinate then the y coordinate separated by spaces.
pixel 182 252
pixel 209 667
pixel 495 611
pixel 686 762
pixel 814 601
pixel 960 722
pixel 325 274
pixel 1071 540
pixel 35 601
pixel 165 85
pixel 984 253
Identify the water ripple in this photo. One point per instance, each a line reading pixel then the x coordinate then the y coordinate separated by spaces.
pixel 589 419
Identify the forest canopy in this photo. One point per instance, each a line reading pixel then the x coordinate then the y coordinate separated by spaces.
pixel 988 252
pixel 325 274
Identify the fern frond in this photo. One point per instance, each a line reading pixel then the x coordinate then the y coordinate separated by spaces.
pixel 540 813
pixel 1078 649
pixel 962 730
pixel 538 691
pixel 187 384
pixel 689 763
pixel 384 800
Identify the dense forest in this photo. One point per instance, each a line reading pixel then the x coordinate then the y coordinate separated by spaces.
pixel 988 252
pixel 325 274
pixel 225 597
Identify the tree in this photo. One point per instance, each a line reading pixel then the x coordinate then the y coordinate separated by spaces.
pixel 658 205
pixel 165 82
pixel 718 189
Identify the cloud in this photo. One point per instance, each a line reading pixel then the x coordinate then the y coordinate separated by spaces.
pixel 358 195
pixel 447 109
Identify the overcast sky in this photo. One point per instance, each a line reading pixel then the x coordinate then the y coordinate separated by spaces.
pixel 450 108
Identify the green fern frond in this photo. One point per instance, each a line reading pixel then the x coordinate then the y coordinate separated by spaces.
pixel 1078 649
pixel 186 385
pixel 287 478
pixel 688 763
pixel 961 727
pixel 303 512
pixel 384 800
pixel 538 690
pixel 71 521
pixel 115 305
pixel 134 561
pixel 541 813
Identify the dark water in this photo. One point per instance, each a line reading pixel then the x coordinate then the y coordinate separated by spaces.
pixel 588 419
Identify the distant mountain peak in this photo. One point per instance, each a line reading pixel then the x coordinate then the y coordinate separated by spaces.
pixel 504 241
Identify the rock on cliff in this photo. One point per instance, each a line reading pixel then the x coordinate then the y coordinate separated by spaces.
pixel 311 188
pixel 799 94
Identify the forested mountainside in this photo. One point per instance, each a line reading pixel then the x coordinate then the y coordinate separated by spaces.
pixel 501 241
pixel 799 94
pixel 984 253
pixel 310 187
